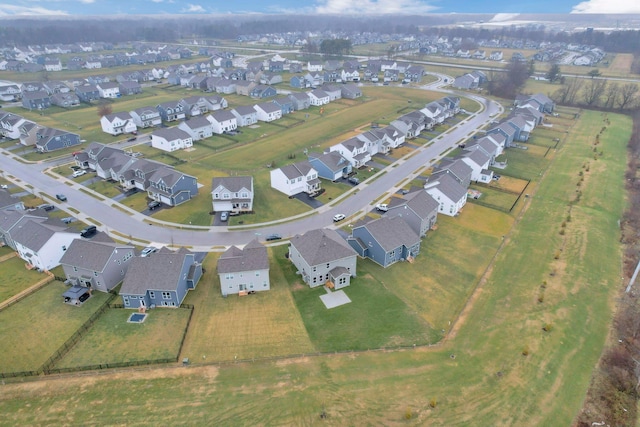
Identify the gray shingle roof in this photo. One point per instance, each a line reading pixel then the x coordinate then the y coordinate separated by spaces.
pixel 391 233
pixel 89 254
pixel 251 258
pixel 160 272
pixel 233 183
pixel 321 246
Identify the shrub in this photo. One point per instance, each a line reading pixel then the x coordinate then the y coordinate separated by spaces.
pixel 541 298
pixel 525 350
pixel 547 327
pixel 408 414
pixel 433 403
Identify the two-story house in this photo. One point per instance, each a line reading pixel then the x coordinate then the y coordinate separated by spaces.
pixel 297 178
pixel 232 194
pixel 244 270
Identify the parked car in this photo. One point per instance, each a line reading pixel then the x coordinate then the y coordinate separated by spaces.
pixel 84 297
pixel 148 251
pixel 133 138
pixel 338 217
pixel 153 205
pixel 68 219
pixel 354 180
pixel 382 207
pixel 47 207
pixel 224 216
pixel 271 237
pixel 4 186
pixel 61 197
pixel 79 173
pixel 90 231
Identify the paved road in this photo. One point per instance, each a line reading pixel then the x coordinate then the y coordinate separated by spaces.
pixel 353 204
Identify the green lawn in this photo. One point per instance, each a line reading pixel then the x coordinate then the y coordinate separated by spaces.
pixel 33 329
pixel 112 340
pixel 15 277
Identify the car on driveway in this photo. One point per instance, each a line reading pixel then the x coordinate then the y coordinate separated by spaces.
pixel 272 237
pixel 79 173
pixel 338 217
pixel 354 180
pixel 68 219
pixel 47 207
pixel 382 207
pixel 224 216
pixel 153 205
pixel 88 232
pixel 61 197
pixel 148 251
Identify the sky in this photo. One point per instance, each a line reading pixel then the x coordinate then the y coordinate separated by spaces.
pixel 359 7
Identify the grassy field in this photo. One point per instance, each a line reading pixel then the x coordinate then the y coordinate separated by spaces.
pixel 34 328
pixel 15 277
pixel 111 339
pixel 478 376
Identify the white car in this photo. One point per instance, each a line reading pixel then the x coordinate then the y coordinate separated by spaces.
pixel 148 251
pixel 382 207
pixel 338 217
pixel 79 173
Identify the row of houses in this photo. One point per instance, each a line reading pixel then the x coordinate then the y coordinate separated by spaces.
pixel 341 158
pixel 162 183
pixel 31 134
pixel 472 80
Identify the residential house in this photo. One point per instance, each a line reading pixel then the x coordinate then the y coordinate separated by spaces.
pixel 109 90
pixel 146 117
pixel 417 208
pixel 263 91
pixel 318 97
pixel 171 139
pixel 41 244
pixel 385 240
pixel 486 146
pixel 244 270
pixel 95 264
pixel 194 106
pixel 505 130
pixel 322 257
pixel 171 111
pixel 332 165
pixel 161 280
pixel 9 92
pixel 301 100
pixel 10 202
pixel 479 162
pixel 285 103
pixel 232 194
pixel 299 82
pixel 268 78
pixel 449 193
pixel 538 101
pixel 297 178
pixel 56 86
pixel 355 150
pixel 496 55
pixel 457 168
pixel 11 220
pixel 51 139
pixel 65 100
pixel 10 124
pixel 198 128
pixel 246 115
pixel 222 121
pixel 334 91
pixel 169 186
pixel 38 100
pixel 268 111
pixel 244 87
pixel 316 66
pixel 130 88
pixel 350 91
pixel 118 123
pixel 87 93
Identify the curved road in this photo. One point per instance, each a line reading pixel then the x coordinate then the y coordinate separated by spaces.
pixel 353 204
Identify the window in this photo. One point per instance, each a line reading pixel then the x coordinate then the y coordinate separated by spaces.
pixel 125 299
pixel 166 295
pixel 342 280
pixel 299 178
pixel 75 268
pixel 226 196
pixel 229 276
pixel 314 269
pixel 257 274
pixel 95 273
pixel 216 195
pixel 152 295
pixel 244 195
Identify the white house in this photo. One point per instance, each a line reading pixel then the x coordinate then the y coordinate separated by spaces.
pixel 118 123
pixel 171 139
pixel 319 97
pixel 354 150
pixel 314 66
pixel 145 117
pixel 41 245
pixel 222 121
pixel 296 178
pixel 449 193
pixel 109 89
pixel 232 194
pixel 478 161
pixel 268 111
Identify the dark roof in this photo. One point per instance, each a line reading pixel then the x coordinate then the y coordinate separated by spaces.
pixel 321 246
pixel 251 258
pixel 391 233
pixel 160 272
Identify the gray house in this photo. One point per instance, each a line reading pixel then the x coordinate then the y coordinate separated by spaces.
pixel 455 167
pixel 245 115
pixel 96 265
pixel 323 257
pixel 385 240
pixel 171 187
pixel 301 100
pixel 38 100
pixel 161 280
pixel 244 270
pixel 232 194
pixel 331 165
pixel 50 139
pixel 87 93
pixel 418 209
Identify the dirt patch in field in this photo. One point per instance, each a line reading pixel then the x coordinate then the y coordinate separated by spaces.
pixel 297 286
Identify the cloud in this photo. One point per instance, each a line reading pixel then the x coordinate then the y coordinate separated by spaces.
pixel 10 10
pixel 87 1
pixel 373 7
pixel 193 8
pixel 607 6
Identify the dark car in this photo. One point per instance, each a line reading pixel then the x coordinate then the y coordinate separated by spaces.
pixel 354 180
pixel 154 205
pixel 61 197
pixel 47 207
pixel 133 138
pixel 271 237
pixel 90 231
pixel 84 297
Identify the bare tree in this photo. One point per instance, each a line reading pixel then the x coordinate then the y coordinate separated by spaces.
pixel 593 90
pixel 627 95
pixel 573 88
pixel 611 95
pixel 104 109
